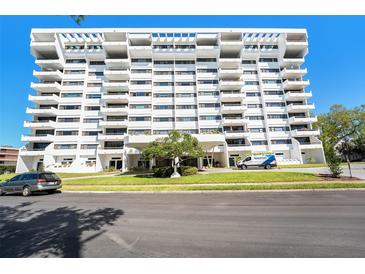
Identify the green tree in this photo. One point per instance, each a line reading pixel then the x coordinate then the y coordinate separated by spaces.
pixel 342 130
pixel 177 147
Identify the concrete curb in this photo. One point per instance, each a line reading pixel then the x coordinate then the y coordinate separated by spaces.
pixel 216 191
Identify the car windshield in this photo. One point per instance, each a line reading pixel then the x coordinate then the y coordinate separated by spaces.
pixel 48 176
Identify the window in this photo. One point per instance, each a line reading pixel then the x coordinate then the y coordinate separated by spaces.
pixel 163 62
pixel 277 116
pixel 207 70
pixel 73 83
pixel 208 93
pixel 90 133
pixel 139 118
pixel 96 63
pixel 275 104
pixel 253 94
pixel 210 130
pixel 205 60
pixel 75 61
pixel 235 142
pixel 248 62
pixel 65 146
pixel 249 72
pixel 163 95
pixel 278 129
pixel 92 108
pixel 273 92
pixel 208 82
pixel 271 81
pixel 67 133
pixel 139 106
pixel 257 130
pixel 163 107
pixel 141 70
pixel 259 143
pixel 186 119
pixel 163 72
pixel 281 142
pixel 184 62
pixel 163 84
pixel 209 105
pixel 265 70
pixel 73 71
pixel 89 146
pixel 141 60
pixel 91 120
pixel 268 46
pixel 140 94
pixel 254 105
pixel 70 107
pixel 251 83
pixel 68 120
pixel 210 117
pixel 186 106
pixel 185 72
pixel 268 60
pixel 163 119
pixel 161 132
pixel 71 95
pixel 96 73
pixel 185 95
pixel 185 83
pixel 141 82
pixel 93 96
pixel 259 117
pixel 139 131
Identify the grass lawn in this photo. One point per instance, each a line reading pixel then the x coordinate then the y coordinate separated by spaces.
pixel 65 175
pixel 226 177
pixel 315 185
pixel 314 165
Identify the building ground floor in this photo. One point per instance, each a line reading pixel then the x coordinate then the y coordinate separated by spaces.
pixel 217 154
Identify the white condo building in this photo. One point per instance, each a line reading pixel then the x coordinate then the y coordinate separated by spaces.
pixel 103 94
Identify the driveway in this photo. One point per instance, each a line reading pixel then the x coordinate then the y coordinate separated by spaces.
pixel 358 170
pixel 239 224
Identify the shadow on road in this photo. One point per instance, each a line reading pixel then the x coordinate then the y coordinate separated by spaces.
pixel 50 233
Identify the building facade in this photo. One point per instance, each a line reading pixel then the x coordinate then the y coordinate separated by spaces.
pixel 8 156
pixel 103 94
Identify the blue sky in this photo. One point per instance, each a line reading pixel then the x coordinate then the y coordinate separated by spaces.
pixel 335 61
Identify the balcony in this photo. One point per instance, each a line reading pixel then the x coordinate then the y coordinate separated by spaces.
pixel 293 96
pixel 295 84
pixel 116 86
pixel 232 97
pixel 206 51
pixel 300 107
pixel 118 63
pixel 32 152
pixel 291 61
pixel 37 138
pixel 48 75
pixel 239 148
pixel 114 110
pixel 49 63
pixel 123 98
pixel 111 137
pixel 44 99
pixel 44 111
pixel 111 150
pixel 230 121
pixel 140 51
pixel 296 44
pixel 233 108
pixel 230 73
pixel 117 74
pixel 229 62
pixel 309 145
pixel 302 120
pixel 122 123
pixel 46 86
pixel 236 134
pixel 39 124
pixel 305 132
pixel 290 73
pixel 230 84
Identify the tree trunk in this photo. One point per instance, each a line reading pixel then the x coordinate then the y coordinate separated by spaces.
pixel 348 163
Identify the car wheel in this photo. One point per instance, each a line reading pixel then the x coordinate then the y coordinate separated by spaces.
pixel 267 166
pixel 26 191
pixel 243 167
pixel 1 192
pixel 51 191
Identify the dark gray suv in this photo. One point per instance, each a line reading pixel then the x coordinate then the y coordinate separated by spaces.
pixel 29 182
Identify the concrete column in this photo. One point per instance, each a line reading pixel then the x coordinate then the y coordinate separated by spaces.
pixel 226 155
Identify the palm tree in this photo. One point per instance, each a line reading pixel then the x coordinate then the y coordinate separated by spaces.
pixel 78 18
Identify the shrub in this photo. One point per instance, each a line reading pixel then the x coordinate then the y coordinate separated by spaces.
pixel 333 160
pixel 163 172
pixel 111 168
pixel 7 169
pixel 188 170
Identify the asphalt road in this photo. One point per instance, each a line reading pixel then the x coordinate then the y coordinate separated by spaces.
pixel 240 224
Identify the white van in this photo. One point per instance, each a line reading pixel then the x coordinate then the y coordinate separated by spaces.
pixel 266 161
